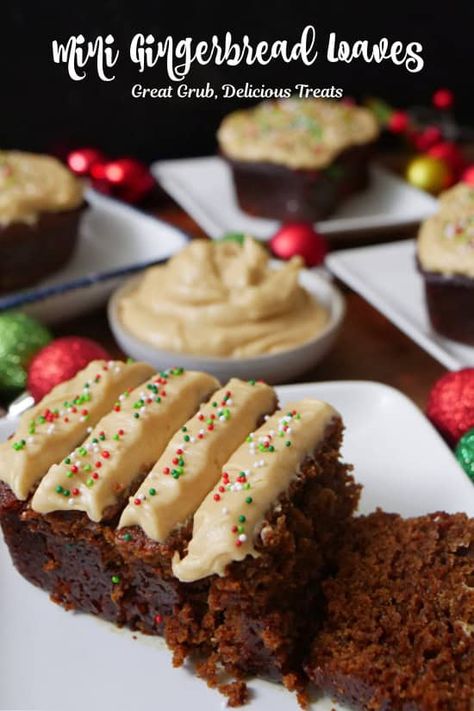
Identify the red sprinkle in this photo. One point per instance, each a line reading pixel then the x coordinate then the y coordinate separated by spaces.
pixel 234 529
pixel 74 469
pixel 166 470
pixel 200 436
pixel 210 427
pixel 75 492
pixel 105 454
pixel 216 497
pixel 201 417
pixel 117 408
pixel 179 451
pixel 95 476
pixel 98 465
pixel 238 543
pixel 158 619
pixel 121 432
pixel 137 502
pixel 84 412
pixel 175 460
pixel 221 489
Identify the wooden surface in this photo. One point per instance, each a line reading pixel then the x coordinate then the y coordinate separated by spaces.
pixel 369 346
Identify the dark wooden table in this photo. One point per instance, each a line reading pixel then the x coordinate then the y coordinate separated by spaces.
pixel 369 346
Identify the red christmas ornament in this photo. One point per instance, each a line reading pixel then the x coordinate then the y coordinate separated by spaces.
pixel 427 138
pixel 299 238
pixel 468 175
pixel 130 179
pixel 82 160
pixel 60 360
pixel 451 404
pixel 398 122
pixel 449 153
pixel 443 99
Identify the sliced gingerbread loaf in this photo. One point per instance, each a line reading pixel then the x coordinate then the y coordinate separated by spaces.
pixel 399 627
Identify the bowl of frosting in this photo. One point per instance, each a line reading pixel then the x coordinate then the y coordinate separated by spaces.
pixel 225 307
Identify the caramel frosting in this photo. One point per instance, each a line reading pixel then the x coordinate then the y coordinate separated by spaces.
pixel 222 299
pixel 123 445
pixel 191 463
pixel 229 519
pixel 446 240
pixel 31 184
pixel 297 133
pixel 48 431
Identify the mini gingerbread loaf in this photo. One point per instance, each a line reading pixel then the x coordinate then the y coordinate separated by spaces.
pixel 297 159
pixel 185 510
pixel 41 203
pixel 445 256
pixel 399 627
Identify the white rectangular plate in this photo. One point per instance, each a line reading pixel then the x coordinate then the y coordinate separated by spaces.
pixel 57 661
pixel 203 187
pixel 115 240
pixel 386 276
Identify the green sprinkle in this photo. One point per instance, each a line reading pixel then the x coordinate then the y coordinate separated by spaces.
pixel 66 493
pixel 240 529
pixel 87 468
pixel 186 438
pixel 152 491
pixel 248 500
pixel 128 537
pixel 184 429
pixel 95 441
pixel 136 415
pixel 83 452
pixel 152 387
pixel 90 482
pixel 59 489
pixel 271 448
pixel 69 475
pixel 67 460
pixel 102 437
pixel 115 579
pixel 287 443
pixel 116 437
pixel 214 404
pixel 247 486
pixel 175 474
pixel 242 519
pixel 157 399
pixel 252 382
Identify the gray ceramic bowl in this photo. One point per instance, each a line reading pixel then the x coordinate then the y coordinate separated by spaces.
pixel 275 368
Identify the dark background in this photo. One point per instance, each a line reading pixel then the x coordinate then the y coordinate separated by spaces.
pixel 42 109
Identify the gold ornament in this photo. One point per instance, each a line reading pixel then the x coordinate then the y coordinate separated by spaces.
pixel 427 173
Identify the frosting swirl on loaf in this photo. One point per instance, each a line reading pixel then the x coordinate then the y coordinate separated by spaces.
pixel 261 470
pixel 297 133
pixel 446 240
pixel 31 184
pixel 192 461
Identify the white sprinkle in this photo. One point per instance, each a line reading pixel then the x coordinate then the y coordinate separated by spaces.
pixel 143 409
pixel 71 502
pixel 122 397
pixel 30 440
pixel 201 431
pixel 229 402
pixel 242 537
pixel 267 417
pixel 192 440
pixel 225 510
pixel 89 430
pixel 82 419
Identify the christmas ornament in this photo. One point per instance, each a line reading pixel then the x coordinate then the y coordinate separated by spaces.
pixel 20 338
pixel 124 178
pixel 451 404
pixel 238 237
pixel 468 175
pixel 299 238
pixel 130 179
pixel 465 453
pixel 449 153
pixel 428 173
pixel 443 99
pixel 428 137
pixel 61 360
pixel 82 160
pixel 398 122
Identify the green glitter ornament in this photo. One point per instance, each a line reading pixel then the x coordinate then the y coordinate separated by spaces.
pixel 238 237
pixel 465 453
pixel 20 338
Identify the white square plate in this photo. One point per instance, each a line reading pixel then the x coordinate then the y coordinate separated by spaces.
pixel 52 660
pixel 203 187
pixel 386 276
pixel 115 240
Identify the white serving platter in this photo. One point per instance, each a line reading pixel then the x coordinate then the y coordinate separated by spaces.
pixel 115 240
pixel 52 660
pixel 203 187
pixel 386 276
